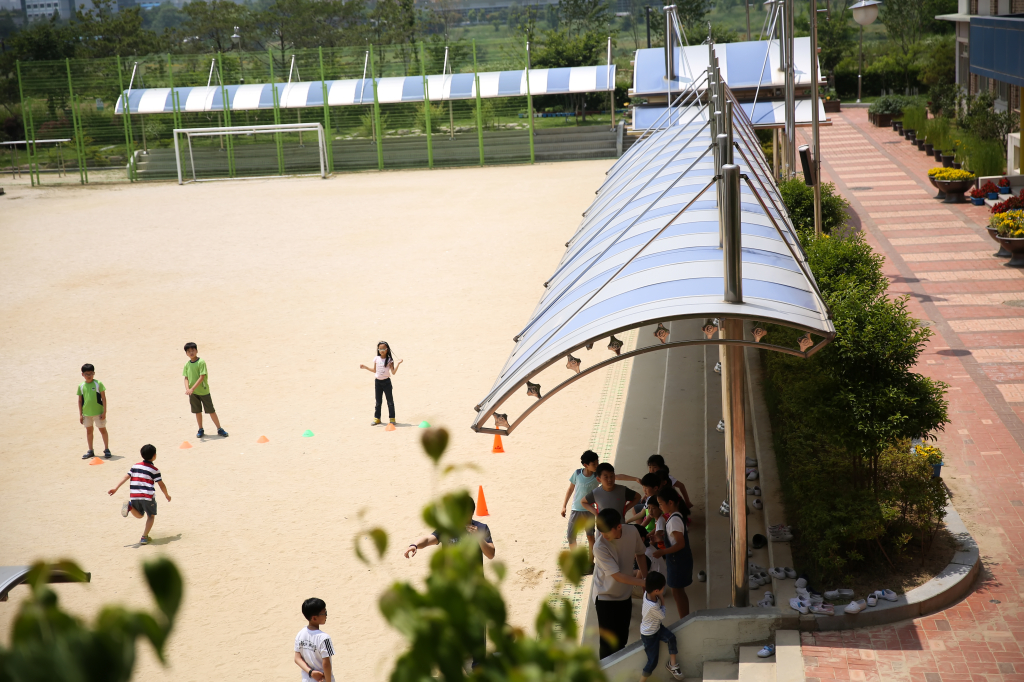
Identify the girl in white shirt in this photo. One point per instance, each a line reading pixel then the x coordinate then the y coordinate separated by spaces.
pixel 383 367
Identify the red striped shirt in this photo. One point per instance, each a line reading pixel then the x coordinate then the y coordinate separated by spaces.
pixel 143 477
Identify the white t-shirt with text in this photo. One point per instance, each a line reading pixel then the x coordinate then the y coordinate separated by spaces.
pixel 314 646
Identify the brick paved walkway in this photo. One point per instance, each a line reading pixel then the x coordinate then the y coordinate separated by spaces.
pixel 940 254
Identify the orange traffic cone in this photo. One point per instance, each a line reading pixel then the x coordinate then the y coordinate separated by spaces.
pixel 497 444
pixel 95 460
pixel 481 503
pixel 389 427
pixel 185 445
pixel 262 439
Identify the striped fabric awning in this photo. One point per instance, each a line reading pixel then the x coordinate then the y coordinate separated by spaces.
pixel 763 115
pixel 459 86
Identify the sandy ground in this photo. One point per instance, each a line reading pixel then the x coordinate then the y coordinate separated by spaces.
pixel 286 286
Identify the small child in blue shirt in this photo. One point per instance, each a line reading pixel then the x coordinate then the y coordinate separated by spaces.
pixel 581 483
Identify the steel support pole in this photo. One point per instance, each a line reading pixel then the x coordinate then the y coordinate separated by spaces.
pixel 815 134
pixel 426 109
pixel 277 116
pixel 529 101
pixel 376 114
pixel 479 107
pixel 608 79
pixel 788 47
pixel 327 115
pixel 126 119
pixel 226 108
pixel 860 67
pixel 24 123
pixel 79 148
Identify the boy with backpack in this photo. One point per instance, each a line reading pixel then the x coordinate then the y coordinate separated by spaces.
pixel 92 409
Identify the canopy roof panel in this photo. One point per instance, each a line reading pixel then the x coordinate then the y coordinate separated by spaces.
pixel 300 95
pixel 648 251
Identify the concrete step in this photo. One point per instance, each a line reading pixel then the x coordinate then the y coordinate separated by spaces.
pixel 789 660
pixel 720 671
pixel 754 669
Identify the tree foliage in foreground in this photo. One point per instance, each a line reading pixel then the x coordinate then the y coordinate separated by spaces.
pixel 47 643
pixel 444 622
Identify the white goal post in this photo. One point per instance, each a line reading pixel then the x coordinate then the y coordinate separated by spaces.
pixel 299 128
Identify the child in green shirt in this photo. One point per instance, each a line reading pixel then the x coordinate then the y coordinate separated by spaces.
pixel 197 388
pixel 92 409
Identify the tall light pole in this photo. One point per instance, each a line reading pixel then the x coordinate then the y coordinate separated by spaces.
pixel 816 160
pixel 236 40
pixel 864 13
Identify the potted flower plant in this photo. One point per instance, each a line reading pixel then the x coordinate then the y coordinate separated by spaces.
pixel 931 178
pixel 953 182
pixel 990 190
pixel 1004 186
pixel 830 100
pixel 977 196
pixel 1010 228
pixel 932 455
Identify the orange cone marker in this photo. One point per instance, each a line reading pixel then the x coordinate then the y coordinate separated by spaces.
pixel 389 427
pixel 481 503
pixel 185 445
pixel 95 460
pixel 262 439
pixel 497 444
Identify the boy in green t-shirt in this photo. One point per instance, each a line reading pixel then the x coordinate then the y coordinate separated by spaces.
pixel 92 409
pixel 197 388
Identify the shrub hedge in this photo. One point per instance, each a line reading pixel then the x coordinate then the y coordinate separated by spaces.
pixel 843 419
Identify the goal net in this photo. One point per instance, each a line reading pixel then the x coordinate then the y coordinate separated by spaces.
pixel 248 152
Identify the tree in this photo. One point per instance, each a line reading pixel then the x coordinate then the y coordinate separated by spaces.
pixel 444 623
pixel 835 37
pixel 579 17
pixel 903 20
pixel 562 50
pixel 47 643
pixel 213 22
pixel 692 12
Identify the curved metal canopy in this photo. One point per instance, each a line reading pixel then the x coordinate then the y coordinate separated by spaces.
pixel 649 251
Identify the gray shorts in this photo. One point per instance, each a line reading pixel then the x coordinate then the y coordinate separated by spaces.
pixel 144 506
pixel 585 519
pixel 200 403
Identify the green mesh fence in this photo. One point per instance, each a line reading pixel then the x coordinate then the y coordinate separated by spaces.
pixel 74 100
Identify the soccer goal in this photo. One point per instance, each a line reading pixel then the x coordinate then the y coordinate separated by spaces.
pixel 250 152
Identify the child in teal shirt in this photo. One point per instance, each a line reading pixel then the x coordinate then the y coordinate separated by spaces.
pixel 92 409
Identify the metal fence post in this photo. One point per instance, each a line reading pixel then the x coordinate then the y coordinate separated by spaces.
pixel 79 148
pixel 529 100
pixel 175 114
pixel 126 120
pixel 426 108
pixel 24 123
pixel 226 107
pixel 327 115
pixel 277 114
pixel 376 114
pixel 479 112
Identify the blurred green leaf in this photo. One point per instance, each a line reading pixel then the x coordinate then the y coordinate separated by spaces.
pixel 435 441
pixel 574 564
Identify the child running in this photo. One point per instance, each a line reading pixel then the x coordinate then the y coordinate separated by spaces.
pixel 581 483
pixel 313 648
pixel 197 388
pixel 92 409
pixel 653 631
pixel 384 366
pixel 141 493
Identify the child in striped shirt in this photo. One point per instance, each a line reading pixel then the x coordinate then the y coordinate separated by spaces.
pixel 142 494
pixel 653 632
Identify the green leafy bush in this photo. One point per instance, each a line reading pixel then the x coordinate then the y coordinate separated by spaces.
pixel 47 643
pixel 799 200
pixel 936 132
pixel 889 104
pixel 838 416
pixel 445 622
pixel 982 156
pixel 914 117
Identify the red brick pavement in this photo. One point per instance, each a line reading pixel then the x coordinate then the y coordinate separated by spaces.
pixel 961 296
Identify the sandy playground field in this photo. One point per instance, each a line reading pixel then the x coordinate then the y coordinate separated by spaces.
pixel 286 286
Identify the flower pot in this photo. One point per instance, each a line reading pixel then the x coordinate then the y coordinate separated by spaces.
pixel 831 105
pixel 1002 252
pixel 1015 245
pixel 992 195
pixel 929 148
pixel 895 124
pixel 937 470
pixel 977 201
pixel 955 189
pixel 958 165
pixel 947 160
pixel 1004 190
pixel 938 154
pixel 920 145
pixel 941 194
pixel 911 135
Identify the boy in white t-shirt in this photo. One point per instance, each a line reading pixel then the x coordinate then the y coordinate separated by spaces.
pixel 657 537
pixel 653 631
pixel 313 648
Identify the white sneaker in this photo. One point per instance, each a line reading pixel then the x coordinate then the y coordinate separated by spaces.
pixel 801 582
pixel 822 610
pixel 872 599
pixel 841 593
pixel 751 462
pixel 769 597
pixel 125 507
pixel 752 475
pixel 674 670
pixel 790 573
pixel 754 568
pixel 887 595
pixel 777 573
pixel 753 582
pixel 757 503
pixel 798 605
pixel 855 606
pixel 767 651
pixel 803 594
pixel 702 577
